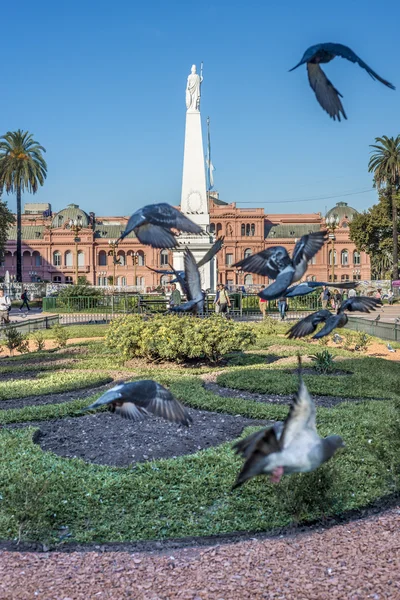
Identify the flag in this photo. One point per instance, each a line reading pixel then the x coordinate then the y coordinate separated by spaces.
pixel 210 166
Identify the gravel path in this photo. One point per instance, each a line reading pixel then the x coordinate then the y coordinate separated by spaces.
pixel 354 561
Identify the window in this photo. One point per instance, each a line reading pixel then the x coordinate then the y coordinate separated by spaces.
pixel 69 280
pixel 252 229
pixel 212 228
pixel 60 220
pixel 102 281
pixel 26 259
pixel 313 278
pixel 164 280
pixel 242 230
pixel 247 229
pixel 219 228
pixel 330 257
pixel 141 259
pixel 38 235
pixel 247 253
pixel 356 258
pixel 68 258
pixel 57 259
pixel 56 279
pixel 164 258
pixel 121 281
pixel 334 279
pixel 248 279
pixel 345 278
pixel 229 260
pixel 344 258
pixel 37 259
pixel 81 258
pixel 229 230
pixel 102 258
pixel 121 257
pixel 313 260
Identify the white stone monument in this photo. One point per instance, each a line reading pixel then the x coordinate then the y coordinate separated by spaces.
pixel 194 202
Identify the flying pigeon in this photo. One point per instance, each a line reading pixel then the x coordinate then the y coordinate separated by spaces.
pixel 309 324
pixel 290 447
pixel 390 348
pixel 192 286
pixel 327 95
pixel 307 287
pixel 152 225
pixel 276 263
pixel 139 399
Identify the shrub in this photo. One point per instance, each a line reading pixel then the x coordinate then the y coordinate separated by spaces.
pixel 170 337
pixel 347 339
pixel 60 335
pixel 15 341
pixel 361 340
pixel 323 361
pixel 38 340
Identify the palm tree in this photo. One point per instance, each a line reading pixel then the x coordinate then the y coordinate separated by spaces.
pixel 22 167
pixel 385 165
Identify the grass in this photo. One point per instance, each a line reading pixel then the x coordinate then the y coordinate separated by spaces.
pixel 78 331
pixel 44 497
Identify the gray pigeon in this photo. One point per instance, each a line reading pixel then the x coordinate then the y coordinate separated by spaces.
pixel 326 94
pixel 307 287
pixel 309 324
pixel 377 319
pixel 290 447
pixel 397 320
pixel 139 399
pixel 152 225
pixel 276 263
pixel 337 339
pixel 191 285
pixel 390 348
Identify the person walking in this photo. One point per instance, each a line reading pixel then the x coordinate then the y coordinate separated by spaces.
pixel 175 298
pixel 325 297
pixel 24 298
pixel 223 300
pixel 282 307
pixel 262 303
pixel 5 307
pixel 352 293
pixel 216 303
pixel 390 297
pixel 338 299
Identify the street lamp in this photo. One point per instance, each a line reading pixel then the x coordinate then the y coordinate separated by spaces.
pixel 75 227
pixel 135 262
pixel 113 252
pixel 332 224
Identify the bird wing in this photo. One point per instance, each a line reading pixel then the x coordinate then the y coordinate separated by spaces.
pixel 157 400
pixel 308 324
pixel 168 216
pixel 361 304
pixel 163 271
pixel 180 277
pixel 192 275
pixel 260 445
pixel 279 286
pixel 302 289
pixel 346 285
pixel 346 52
pixel 331 323
pixel 134 221
pixel 215 248
pixel 308 245
pixel 326 94
pixel 115 398
pixel 268 263
pixel 156 236
pixel 185 307
pixel 301 414
pixel 246 446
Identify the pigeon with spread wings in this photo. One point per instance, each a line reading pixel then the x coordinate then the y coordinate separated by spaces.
pixel 152 225
pixel 326 94
pixel 307 287
pixel 192 286
pixel 290 447
pixel 309 324
pixel 276 263
pixel 138 399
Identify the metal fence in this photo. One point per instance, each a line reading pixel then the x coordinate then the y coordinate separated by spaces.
pixel 31 324
pixel 385 331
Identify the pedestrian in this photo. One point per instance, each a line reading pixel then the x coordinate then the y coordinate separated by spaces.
pixel 282 307
pixel 24 298
pixel 352 293
pixel 262 304
pixel 216 303
pixel 5 307
pixel 390 297
pixel 378 294
pixel 325 296
pixel 175 298
pixel 223 300
pixel 338 299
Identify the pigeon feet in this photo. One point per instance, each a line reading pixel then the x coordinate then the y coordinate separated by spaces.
pixel 277 475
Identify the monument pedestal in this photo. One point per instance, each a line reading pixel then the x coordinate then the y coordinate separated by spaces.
pixel 198 245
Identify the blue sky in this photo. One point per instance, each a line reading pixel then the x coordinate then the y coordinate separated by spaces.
pixel 101 85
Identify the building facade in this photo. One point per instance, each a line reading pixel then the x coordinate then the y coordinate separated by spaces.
pixel 53 253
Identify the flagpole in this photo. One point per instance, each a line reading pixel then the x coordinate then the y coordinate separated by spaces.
pixel 209 155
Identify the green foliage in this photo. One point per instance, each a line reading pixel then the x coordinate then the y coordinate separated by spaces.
pixel 170 337
pixel 60 335
pixel 323 361
pixel 79 290
pixel 38 340
pixel 6 219
pixel 83 280
pixel 78 331
pixel 15 340
pixel 361 341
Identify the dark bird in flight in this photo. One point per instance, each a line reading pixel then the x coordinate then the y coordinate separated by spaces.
pixel 152 225
pixel 290 447
pixel 276 263
pixel 191 285
pixel 306 287
pixel 327 95
pixel 139 399
pixel 377 319
pixel 309 324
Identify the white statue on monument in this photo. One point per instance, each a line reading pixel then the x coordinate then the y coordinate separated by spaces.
pixel 193 90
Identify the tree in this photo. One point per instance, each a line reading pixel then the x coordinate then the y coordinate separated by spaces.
pixel 385 165
pixel 22 167
pixel 6 219
pixel 372 232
